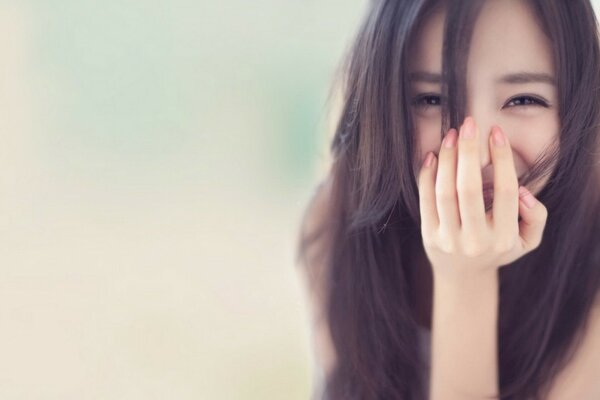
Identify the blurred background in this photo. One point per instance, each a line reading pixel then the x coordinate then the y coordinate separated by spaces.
pixel 155 161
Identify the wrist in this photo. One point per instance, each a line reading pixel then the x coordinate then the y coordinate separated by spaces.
pixel 464 276
pixel 469 289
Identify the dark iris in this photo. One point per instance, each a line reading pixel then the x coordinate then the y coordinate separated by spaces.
pixel 430 100
pixel 527 101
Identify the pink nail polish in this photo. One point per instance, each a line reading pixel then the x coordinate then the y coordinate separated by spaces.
pixel 450 139
pixel 526 196
pixel 428 160
pixel 498 137
pixel 468 129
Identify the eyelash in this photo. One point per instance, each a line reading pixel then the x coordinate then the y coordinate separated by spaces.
pixel 535 101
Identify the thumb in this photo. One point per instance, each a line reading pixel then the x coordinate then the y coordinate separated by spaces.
pixel 533 219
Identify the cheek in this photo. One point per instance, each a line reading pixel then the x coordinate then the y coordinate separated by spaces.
pixel 426 142
pixel 428 137
pixel 530 140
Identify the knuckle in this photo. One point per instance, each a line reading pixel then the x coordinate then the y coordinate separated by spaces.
pixel 429 239
pixel 504 245
pixel 506 191
pixel 541 214
pixel 536 243
pixel 444 193
pixel 543 211
pixel 447 247
pixel 471 248
pixel 470 191
pixel 472 251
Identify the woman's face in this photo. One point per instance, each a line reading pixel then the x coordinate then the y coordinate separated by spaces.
pixel 509 83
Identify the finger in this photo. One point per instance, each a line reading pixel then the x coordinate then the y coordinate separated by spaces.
pixel 506 186
pixel 445 185
pixel 533 219
pixel 470 192
pixel 427 206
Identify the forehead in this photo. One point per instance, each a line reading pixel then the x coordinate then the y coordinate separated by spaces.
pixel 506 38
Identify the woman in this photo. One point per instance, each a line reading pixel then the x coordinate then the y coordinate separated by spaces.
pixel 489 253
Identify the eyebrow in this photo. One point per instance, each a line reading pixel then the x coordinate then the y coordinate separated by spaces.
pixel 517 78
pixel 527 77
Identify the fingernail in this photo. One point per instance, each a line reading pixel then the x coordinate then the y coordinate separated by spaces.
pixel 468 129
pixel 450 139
pixel 428 160
pixel 498 137
pixel 526 196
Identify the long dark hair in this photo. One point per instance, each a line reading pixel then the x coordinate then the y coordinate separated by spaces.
pixel 373 216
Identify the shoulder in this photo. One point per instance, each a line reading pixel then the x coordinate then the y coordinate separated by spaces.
pixel 579 378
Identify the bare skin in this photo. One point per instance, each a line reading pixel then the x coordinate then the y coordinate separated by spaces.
pixel 466 247
pixel 529 126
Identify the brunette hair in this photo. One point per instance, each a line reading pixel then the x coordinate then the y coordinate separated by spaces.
pixel 373 221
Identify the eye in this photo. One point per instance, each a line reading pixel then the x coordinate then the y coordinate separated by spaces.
pixel 526 101
pixel 432 99
pixel 427 99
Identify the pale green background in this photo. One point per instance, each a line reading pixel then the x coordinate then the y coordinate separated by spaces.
pixel 155 158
